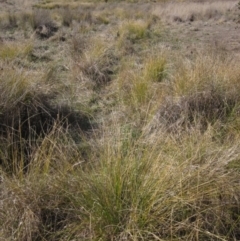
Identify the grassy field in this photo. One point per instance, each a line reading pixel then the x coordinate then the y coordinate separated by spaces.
pixel 119 120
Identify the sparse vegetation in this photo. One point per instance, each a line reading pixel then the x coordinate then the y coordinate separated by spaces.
pixel 118 124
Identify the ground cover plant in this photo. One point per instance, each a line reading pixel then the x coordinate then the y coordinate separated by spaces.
pixel 119 120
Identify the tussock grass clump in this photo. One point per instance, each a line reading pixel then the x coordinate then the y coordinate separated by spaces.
pixel 26 17
pixel 202 92
pixel 140 85
pixel 133 88
pixel 204 73
pixel 103 18
pixel 141 192
pixel 26 117
pixel 67 17
pixel 131 190
pixel 78 46
pixel 37 206
pixel 81 15
pixel 132 32
pixel 12 20
pixel 98 63
pixel 11 51
pixel 9 21
pixel 155 68
pixel 201 109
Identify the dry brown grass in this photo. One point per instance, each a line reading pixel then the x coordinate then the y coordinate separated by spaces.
pixel 113 130
pixel 194 11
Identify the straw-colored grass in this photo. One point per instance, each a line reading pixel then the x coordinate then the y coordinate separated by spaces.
pixel 119 134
